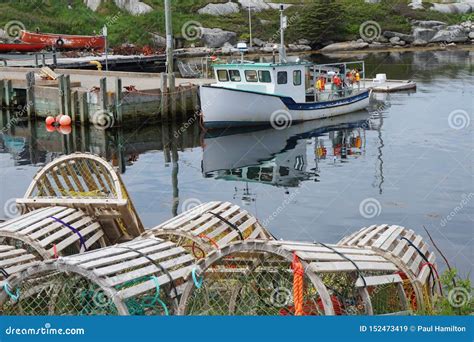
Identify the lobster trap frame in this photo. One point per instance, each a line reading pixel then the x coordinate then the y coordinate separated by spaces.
pixel 86 182
pixel 140 277
pixel 408 251
pixel 13 260
pixel 244 278
pixel 52 232
pixel 210 226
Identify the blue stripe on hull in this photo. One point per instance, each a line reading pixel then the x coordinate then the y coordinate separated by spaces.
pixel 292 105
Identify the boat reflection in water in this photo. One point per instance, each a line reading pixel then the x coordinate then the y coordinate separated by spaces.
pixel 280 157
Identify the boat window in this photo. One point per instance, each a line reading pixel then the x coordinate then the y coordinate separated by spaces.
pixel 282 77
pixel 222 76
pixel 235 75
pixel 264 76
pixel 297 77
pixel 251 76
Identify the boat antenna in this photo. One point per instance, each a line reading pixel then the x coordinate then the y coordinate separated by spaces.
pixel 283 26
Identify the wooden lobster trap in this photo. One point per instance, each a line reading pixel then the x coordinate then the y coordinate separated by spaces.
pixel 52 232
pixel 409 252
pixel 210 226
pixel 86 182
pixel 13 260
pixel 293 278
pixel 140 277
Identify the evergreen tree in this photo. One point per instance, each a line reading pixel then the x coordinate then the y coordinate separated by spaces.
pixel 321 21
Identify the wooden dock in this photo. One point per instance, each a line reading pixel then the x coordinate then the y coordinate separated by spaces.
pixel 89 96
pixel 156 62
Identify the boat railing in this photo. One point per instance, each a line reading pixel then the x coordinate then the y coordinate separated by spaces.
pixel 334 93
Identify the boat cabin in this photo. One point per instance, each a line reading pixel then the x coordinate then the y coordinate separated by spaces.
pixel 296 80
pixel 287 79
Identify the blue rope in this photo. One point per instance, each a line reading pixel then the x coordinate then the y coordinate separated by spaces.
pixel 14 297
pixel 81 238
pixel 197 283
pixel 157 296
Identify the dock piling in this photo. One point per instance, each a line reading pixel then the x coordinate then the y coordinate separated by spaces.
pixel 67 95
pixel 74 99
pixel 30 94
pixel 8 93
pixel 118 101
pixel 2 93
pixel 61 94
pixel 164 97
pixel 103 93
pixel 83 109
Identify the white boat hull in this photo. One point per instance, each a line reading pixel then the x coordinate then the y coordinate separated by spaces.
pixel 224 107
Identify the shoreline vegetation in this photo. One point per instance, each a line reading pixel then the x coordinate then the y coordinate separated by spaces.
pixel 326 25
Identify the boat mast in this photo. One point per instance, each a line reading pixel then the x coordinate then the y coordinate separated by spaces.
pixel 283 25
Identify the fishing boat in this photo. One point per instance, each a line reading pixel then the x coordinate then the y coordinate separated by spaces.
pixel 280 93
pixel 21 47
pixel 63 41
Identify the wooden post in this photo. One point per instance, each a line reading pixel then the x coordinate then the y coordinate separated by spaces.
pixel 67 95
pixel 103 93
pixel 61 94
pixel 36 60
pixel 164 97
pixel 55 57
pixel 74 98
pixel 2 93
pixel 83 109
pixel 8 93
pixel 118 101
pixel 43 59
pixel 173 97
pixel 30 94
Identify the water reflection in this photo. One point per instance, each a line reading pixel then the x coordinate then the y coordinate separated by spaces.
pixel 286 158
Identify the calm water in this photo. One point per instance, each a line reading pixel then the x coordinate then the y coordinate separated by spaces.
pixel 307 182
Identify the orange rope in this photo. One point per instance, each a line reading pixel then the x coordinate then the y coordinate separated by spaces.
pixel 211 240
pixel 298 273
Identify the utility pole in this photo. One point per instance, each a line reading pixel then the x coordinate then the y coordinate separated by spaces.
pixel 283 25
pixel 169 45
pixel 250 24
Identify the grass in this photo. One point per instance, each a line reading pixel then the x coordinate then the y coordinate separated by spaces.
pixel 55 16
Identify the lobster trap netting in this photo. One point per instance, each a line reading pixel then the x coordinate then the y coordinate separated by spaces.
pixel 87 182
pixel 286 278
pixel 210 226
pixel 141 277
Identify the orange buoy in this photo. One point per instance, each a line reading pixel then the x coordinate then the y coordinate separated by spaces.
pixel 64 130
pixel 49 120
pixel 65 120
pixel 50 128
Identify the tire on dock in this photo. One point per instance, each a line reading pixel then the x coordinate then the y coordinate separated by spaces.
pixel 409 252
pixel 86 182
pixel 139 277
pixel 210 226
pixel 293 278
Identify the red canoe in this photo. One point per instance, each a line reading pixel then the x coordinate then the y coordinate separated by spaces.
pixel 22 47
pixel 64 41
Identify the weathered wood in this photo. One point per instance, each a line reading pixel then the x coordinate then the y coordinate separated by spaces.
pixel 118 101
pixel 209 226
pixel 30 94
pixel 104 101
